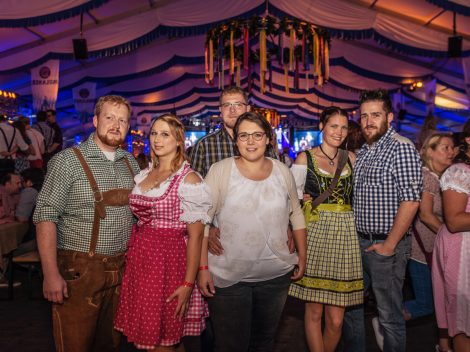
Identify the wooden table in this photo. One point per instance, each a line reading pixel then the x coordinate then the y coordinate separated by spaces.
pixel 11 235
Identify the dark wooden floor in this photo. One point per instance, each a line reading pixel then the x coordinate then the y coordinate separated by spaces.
pixel 25 326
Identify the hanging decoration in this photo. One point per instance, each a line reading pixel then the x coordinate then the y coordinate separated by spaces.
pixel 294 45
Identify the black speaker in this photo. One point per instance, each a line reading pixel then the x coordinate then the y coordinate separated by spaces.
pixel 454 47
pixel 402 114
pixel 80 49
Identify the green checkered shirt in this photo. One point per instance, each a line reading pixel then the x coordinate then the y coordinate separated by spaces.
pixel 67 199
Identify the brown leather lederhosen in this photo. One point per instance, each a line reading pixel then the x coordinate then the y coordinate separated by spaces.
pixel 113 197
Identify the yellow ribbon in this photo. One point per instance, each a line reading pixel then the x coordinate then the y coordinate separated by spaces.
pixel 211 60
pixel 232 54
pixel 312 215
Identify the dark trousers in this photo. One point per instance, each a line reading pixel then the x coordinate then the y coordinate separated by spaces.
pixel 245 316
pixel 84 322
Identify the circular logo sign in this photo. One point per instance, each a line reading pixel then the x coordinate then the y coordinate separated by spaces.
pixel 84 93
pixel 143 121
pixel 44 72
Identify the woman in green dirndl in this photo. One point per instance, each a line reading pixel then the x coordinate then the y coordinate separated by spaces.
pixel 333 278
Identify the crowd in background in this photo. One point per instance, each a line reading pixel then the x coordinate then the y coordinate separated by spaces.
pixel 232 231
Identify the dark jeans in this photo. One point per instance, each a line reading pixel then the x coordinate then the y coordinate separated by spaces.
pixel 423 304
pixel 386 274
pixel 245 316
pixel 84 322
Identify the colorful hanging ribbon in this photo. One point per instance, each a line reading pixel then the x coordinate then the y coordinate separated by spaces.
pixel 232 53
pixel 246 48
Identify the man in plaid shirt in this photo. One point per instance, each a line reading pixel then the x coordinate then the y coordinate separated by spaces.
pixel 83 225
pixel 212 148
pixel 387 191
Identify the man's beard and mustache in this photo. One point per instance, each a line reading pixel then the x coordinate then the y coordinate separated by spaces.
pixel 111 140
pixel 379 132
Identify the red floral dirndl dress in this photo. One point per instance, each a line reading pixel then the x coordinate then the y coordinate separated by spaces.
pixel 155 268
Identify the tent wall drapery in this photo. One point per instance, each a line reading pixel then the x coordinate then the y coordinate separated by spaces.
pixel 370 48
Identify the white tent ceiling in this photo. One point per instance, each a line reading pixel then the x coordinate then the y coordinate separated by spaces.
pixel 152 52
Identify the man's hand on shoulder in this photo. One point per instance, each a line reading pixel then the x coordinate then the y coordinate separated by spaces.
pixel 215 247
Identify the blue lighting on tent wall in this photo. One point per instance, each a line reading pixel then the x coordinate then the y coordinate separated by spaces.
pixel 129 144
pixel 77 139
pixel 146 148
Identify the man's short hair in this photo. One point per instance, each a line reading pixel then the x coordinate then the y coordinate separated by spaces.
pixel 234 90
pixel 114 100
pixel 377 95
pixel 41 116
pixel 52 111
pixel 36 176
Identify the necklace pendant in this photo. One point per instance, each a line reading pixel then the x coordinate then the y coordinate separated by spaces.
pixel 331 162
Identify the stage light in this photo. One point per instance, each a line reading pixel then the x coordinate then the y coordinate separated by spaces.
pixel 419 84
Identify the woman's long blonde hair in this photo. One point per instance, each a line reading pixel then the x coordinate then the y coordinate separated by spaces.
pixel 431 143
pixel 177 130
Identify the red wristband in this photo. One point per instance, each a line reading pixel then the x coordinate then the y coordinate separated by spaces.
pixel 188 284
pixel 203 267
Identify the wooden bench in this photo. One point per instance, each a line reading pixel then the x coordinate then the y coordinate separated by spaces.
pixel 32 262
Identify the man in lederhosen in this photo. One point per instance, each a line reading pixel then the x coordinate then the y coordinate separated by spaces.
pixel 83 225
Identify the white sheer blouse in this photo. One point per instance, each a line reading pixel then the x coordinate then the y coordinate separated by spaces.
pixel 195 198
pixel 253 231
pixel 457 178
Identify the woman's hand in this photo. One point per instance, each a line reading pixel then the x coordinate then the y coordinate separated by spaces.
pixel 299 270
pixel 182 294
pixel 205 283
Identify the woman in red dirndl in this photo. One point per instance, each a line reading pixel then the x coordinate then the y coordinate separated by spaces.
pixel 159 303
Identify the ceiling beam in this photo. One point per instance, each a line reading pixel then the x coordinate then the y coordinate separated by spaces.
pixel 373 4
pixel 434 17
pixel 41 38
pixel 410 19
pixel 92 17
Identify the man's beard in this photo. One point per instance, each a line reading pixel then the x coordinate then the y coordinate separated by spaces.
pixel 110 141
pixel 381 131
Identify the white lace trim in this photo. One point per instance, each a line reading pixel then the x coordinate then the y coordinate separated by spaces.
pixel 457 178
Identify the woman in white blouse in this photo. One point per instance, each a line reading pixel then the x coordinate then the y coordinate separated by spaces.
pixel 158 304
pixel 254 197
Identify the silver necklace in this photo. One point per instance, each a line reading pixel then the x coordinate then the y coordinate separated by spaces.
pixel 331 162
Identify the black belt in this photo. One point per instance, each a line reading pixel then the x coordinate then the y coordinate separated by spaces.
pixel 376 236
pixel 373 237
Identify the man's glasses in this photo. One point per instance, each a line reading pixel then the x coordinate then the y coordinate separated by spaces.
pixel 257 136
pixel 236 106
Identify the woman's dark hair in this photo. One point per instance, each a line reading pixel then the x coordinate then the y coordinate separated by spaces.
pixel 36 176
pixel 462 157
pixel 260 121
pixel 331 111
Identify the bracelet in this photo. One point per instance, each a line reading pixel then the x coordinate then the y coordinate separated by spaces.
pixel 188 284
pixel 203 267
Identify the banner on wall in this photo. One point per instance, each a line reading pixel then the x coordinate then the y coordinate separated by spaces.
pixel 45 85
pixel 84 97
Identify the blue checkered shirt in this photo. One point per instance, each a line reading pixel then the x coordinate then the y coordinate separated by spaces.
pixel 386 173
